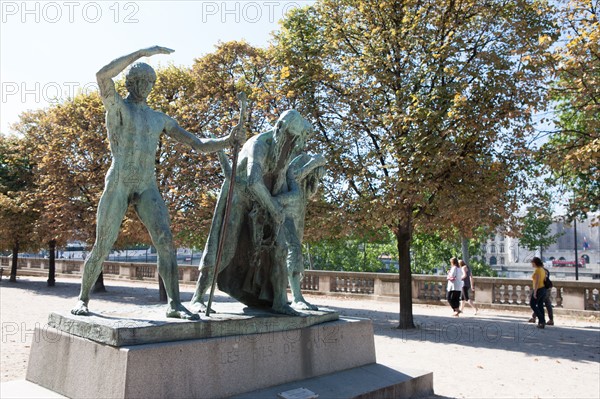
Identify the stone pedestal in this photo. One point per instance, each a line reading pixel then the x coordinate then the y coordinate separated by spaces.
pixel 113 357
pixel 120 356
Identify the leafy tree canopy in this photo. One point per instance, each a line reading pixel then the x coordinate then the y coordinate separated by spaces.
pixel 424 108
pixel 573 150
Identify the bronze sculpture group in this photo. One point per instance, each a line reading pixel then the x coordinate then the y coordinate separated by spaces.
pixel 261 249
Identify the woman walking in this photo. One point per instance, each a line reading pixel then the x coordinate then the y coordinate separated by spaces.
pixel 467 279
pixel 455 284
pixel 539 292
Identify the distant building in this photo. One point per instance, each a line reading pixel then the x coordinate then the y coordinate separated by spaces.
pixel 504 251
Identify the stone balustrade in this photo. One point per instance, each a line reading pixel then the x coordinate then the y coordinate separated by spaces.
pixel 489 291
pixel 126 270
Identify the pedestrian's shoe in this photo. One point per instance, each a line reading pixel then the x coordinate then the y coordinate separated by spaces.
pixel 540 325
pixel 550 323
pixel 532 320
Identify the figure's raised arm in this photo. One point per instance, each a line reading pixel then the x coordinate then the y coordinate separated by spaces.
pixel 236 137
pixel 173 130
pixel 106 74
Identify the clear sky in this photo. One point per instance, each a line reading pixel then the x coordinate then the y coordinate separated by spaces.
pixel 51 49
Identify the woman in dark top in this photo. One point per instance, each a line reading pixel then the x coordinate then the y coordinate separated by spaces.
pixel 467 279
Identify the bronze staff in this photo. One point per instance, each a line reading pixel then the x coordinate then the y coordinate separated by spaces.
pixel 223 232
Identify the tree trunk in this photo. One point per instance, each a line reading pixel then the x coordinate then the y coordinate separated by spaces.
pixel 51 263
pixel 403 234
pixel 15 261
pixel 162 292
pixel 99 284
pixel 464 246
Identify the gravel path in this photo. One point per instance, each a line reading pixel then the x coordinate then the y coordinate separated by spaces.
pixel 495 354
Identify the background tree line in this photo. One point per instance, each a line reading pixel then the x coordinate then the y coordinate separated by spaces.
pixel 426 111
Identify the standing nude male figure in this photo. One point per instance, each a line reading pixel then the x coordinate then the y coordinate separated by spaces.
pixel 134 130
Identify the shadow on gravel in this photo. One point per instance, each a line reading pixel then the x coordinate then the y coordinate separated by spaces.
pixel 503 332
pixel 509 332
pixel 130 295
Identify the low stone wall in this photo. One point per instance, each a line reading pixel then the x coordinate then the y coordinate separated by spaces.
pixel 492 291
pixel 575 295
pixel 126 270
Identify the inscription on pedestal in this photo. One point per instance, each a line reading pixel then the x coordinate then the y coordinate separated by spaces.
pixel 300 393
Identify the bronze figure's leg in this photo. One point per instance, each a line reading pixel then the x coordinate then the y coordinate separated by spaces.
pixel 111 210
pixel 151 209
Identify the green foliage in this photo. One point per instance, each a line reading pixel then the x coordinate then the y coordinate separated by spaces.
pixel 535 233
pixel 573 150
pixel 480 268
pixel 353 254
pixel 432 252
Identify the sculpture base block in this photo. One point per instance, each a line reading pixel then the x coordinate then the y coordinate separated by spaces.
pixel 197 368
pixel 138 325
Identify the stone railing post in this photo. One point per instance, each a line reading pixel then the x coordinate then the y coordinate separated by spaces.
pixel 325 283
pixel 127 270
pixel 573 298
pixel 61 266
pixel 484 288
pixel 377 286
pixel 187 273
pixel 415 288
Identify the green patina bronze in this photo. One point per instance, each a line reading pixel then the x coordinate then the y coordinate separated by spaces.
pixel 133 131
pixel 303 177
pixel 262 247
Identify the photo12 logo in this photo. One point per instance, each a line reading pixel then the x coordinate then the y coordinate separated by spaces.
pixel 246 11
pixel 467 333
pixel 53 12
pixel 24 333
pixel 49 92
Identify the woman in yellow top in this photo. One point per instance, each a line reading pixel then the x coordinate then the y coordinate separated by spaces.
pixel 539 291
